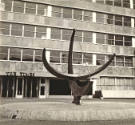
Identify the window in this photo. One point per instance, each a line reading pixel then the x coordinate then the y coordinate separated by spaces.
pixel 67 13
pixel 118 40
pixel 110 39
pixel 30 8
pixel 109 2
pixel 110 19
pixel 100 59
pixel 128 41
pixel 4 28
pixel 42 9
pixel 117 3
pixel 87 58
pixel 100 38
pixel 8 4
pixel 41 32
pixel 15 54
pixel 87 36
pixel 3 53
pixel 128 61
pixel 56 11
pixel 55 33
pixel 16 30
pixel 134 3
pixel 100 1
pixel 18 6
pixel 64 57
pixel 27 55
pixel 66 34
pixel 77 14
pixel 118 20
pixel 126 3
pixel 77 58
pixel 55 56
pixel 119 61
pixel 87 16
pixel 127 21
pixel 29 30
pixel 100 18
pixel 78 36
pixel 38 55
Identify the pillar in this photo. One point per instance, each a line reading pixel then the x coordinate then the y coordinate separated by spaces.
pixel 49 12
pixel 47 87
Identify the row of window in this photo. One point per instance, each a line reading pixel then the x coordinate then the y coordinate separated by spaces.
pixel 119 83
pixel 60 12
pixel 62 34
pixel 35 55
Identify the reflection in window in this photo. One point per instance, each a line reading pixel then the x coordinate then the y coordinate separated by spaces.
pixel 77 58
pixel 100 59
pixel 29 30
pixel 119 61
pixel 129 61
pixel 55 56
pixel 110 19
pixel 87 36
pixel 42 9
pixel 119 40
pixel 27 55
pixel 128 41
pixel 64 57
pixel 4 28
pixel 100 38
pixel 87 58
pixel 55 33
pixel 41 32
pixel 38 55
pixel 77 14
pixel 3 53
pixel 16 30
pixel 15 54
pixel 78 36
pixel 56 11
pixel 67 13
pixel 66 34
pixel 87 16
pixel 118 20
pixel 110 39
pixel 18 6
pixel 30 8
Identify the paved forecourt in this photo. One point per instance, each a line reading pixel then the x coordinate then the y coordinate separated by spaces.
pixel 65 111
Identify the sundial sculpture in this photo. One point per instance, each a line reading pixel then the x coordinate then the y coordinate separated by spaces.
pixel 79 84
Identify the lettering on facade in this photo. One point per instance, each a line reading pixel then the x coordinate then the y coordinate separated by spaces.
pixel 21 74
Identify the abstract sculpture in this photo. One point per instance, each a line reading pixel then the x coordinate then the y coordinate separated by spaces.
pixel 79 84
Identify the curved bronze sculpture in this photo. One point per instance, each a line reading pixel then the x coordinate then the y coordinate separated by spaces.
pixel 79 84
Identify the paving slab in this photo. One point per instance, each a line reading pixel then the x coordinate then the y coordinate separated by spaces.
pixel 66 111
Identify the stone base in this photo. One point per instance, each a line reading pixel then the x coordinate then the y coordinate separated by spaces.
pixel 60 111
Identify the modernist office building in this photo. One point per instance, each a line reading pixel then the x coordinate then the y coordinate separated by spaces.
pixel 103 27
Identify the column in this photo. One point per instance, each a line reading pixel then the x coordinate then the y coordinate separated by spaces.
pixel 48 55
pixel 94 86
pixel 48 33
pixel 47 87
pixel 94 38
pixel 2 6
pixel 94 59
pixel 131 4
pixel 93 16
pixel 49 12
pixel 132 22
pixel 133 41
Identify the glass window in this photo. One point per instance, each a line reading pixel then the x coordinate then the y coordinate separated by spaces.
pixel 4 28
pixel 100 18
pixel 27 55
pixel 100 59
pixel 3 53
pixel 87 58
pixel 67 13
pixel 18 6
pixel 100 1
pixel 118 20
pixel 110 39
pixel 56 11
pixel 129 61
pixel 55 33
pixel 64 57
pixel 16 30
pixel 55 56
pixel 87 36
pixel 42 9
pixel 77 14
pixel 15 54
pixel 119 61
pixel 66 34
pixel 127 40
pixel 127 21
pixel 100 38
pixel 41 32
pixel 110 19
pixel 8 4
pixel 87 16
pixel 119 40
pixel 109 2
pixel 29 30
pixel 134 3
pixel 30 8
pixel 77 58
pixel 126 3
pixel 78 36
pixel 117 3
pixel 38 55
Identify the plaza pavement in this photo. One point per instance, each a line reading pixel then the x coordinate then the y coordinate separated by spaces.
pixel 64 110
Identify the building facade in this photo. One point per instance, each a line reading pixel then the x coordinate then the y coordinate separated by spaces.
pixel 103 27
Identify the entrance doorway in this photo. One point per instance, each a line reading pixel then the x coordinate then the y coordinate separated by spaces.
pixel 59 87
